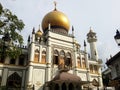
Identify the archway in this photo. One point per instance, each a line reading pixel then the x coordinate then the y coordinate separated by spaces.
pixel 68 62
pixel 14 81
pixel 56 57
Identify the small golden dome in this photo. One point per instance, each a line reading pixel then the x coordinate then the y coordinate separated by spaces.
pixel 56 19
pixel 39 33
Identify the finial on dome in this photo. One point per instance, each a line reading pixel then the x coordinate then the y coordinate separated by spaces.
pixel 55 3
pixel 91 29
pixel 39 26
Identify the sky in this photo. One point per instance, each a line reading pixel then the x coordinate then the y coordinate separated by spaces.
pixel 103 16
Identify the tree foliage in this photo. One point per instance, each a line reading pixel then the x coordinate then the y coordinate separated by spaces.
pixel 10 23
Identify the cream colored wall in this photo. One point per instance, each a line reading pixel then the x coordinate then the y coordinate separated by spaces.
pixel 38 77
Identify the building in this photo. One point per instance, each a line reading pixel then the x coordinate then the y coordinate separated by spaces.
pixel 107 78
pixel 113 65
pixel 50 52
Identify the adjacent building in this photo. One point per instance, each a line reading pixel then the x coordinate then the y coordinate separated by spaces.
pixel 114 65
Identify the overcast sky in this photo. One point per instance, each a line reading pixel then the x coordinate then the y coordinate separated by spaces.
pixel 102 15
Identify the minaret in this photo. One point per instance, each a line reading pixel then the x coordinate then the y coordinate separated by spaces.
pixel 92 39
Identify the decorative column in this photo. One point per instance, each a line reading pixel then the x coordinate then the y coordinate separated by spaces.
pixel 48 58
pixel 4 77
pixel 86 62
pixel 74 53
pixel 32 52
pixel 100 78
pixel 40 54
pixel 29 77
pixel 23 80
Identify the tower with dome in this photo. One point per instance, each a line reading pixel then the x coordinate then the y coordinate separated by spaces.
pixel 53 59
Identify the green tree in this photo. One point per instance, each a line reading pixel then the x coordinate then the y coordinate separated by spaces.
pixel 10 24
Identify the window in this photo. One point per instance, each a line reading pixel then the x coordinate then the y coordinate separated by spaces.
pixel 68 59
pixel 79 62
pixel 83 63
pixel 36 57
pixel 56 59
pixel 43 57
pixel 91 68
pixel 96 69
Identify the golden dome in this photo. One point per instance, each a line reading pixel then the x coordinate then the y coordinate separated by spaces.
pixel 56 19
pixel 39 33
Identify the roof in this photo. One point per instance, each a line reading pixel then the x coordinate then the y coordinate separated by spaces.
pixel 65 76
pixel 114 58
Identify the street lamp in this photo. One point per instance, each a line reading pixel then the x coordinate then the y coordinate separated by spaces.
pixel 5 42
pixel 117 37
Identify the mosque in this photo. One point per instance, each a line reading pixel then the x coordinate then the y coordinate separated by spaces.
pixel 53 59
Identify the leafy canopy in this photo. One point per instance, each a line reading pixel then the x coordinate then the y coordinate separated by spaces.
pixel 10 23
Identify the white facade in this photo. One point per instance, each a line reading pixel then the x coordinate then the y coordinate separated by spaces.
pixel 45 55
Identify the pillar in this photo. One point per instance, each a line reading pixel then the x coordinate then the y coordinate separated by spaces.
pixel 29 76
pixel 23 80
pixel 48 58
pixel 4 77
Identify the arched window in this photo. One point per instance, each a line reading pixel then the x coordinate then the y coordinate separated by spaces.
pixel 79 62
pixel 56 57
pixel 62 53
pixel 96 69
pixel 64 86
pixel 43 57
pixel 91 68
pixel 36 57
pixel 68 59
pixel 83 63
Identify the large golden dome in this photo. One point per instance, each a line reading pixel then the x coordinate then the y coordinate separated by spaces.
pixel 56 19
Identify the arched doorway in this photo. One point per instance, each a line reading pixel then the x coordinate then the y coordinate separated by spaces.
pixel 71 87
pixel 14 81
pixel 64 86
